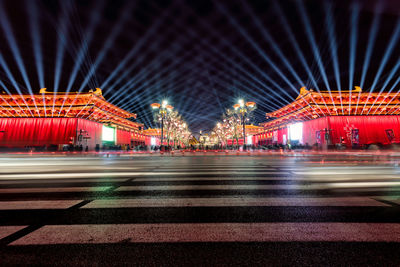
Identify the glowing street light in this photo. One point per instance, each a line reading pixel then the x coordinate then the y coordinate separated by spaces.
pixel 163 110
pixel 244 109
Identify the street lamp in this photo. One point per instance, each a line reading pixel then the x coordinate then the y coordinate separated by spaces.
pixel 163 109
pixel 243 109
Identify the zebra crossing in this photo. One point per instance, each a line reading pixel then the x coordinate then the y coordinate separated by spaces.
pixel 185 200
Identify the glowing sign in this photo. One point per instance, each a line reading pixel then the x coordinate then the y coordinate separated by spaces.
pixel 108 134
pixel 249 140
pixel 296 131
pixel 153 141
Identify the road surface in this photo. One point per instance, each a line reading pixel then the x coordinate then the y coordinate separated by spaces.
pixel 339 209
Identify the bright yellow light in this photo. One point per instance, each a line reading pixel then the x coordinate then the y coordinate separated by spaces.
pixel 241 102
pixel 251 104
pixel 155 106
pixel 164 103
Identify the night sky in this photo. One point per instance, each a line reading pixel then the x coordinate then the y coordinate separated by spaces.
pixel 201 55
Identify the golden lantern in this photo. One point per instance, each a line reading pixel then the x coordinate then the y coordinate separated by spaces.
pixel 155 106
pixel 250 104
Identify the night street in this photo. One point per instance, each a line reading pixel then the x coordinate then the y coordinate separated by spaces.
pixel 199 133
pixel 191 209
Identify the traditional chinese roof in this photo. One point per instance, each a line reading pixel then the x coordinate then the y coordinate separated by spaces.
pixel 152 132
pixel 311 104
pixel 253 129
pixel 90 105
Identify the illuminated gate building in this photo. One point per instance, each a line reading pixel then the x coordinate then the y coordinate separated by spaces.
pixel 57 120
pixel 155 136
pixel 349 118
pixel 251 133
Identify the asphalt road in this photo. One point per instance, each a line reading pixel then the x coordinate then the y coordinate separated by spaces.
pixel 247 210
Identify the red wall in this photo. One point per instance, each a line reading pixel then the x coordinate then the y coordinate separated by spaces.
pixel 233 141
pixel 20 132
pixel 123 137
pixel 93 130
pixel 311 127
pixel 281 133
pixel 371 128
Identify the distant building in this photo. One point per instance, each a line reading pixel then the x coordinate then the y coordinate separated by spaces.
pixel 58 120
pixel 154 134
pixel 351 118
pixel 251 131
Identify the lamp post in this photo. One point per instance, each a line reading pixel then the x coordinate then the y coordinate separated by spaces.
pixel 218 132
pixel 163 109
pixel 201 134
pixel 243 109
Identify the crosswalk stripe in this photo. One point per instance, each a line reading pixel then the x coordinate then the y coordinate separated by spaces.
pixel 393 199
pixel 295 178
pixel 291 211
pixel 172 179
pixel 61 181
pixel 232 201
pixel 117 174
pixel 54 169
pixel 320 186
pixel 53 189
pixel 212 232
pixel 8 230
pixel 37 204
pixel 342 172
pixel 214 169
pixel 208 187
pixel 363 184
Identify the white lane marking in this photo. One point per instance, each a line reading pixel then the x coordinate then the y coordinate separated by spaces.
pixel 213 232
pixel 53 189
pixel 38 204
pixel 232 201
pixel 113 174
pixel 8 230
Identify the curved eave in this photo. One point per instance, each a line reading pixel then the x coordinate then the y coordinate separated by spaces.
pixel 339 100
pixel 62 101
pixel 314 111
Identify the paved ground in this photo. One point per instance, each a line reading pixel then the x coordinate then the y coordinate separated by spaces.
pixel 273 209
